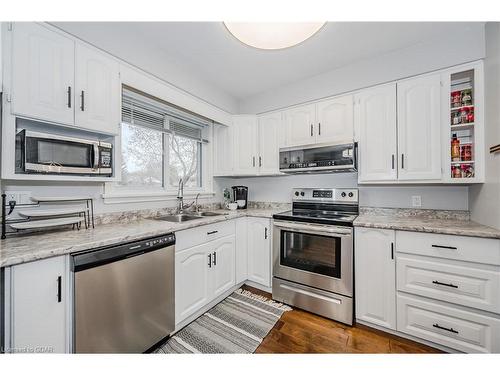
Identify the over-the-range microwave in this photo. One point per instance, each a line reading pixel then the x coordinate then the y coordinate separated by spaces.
pixel 319 158
pixel 38 152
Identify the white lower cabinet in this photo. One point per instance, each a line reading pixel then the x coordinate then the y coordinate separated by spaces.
pixel 441 288
pixel 375 275
pixel 241 257
pixel 38 307
pixel 202 273
pixel 259 250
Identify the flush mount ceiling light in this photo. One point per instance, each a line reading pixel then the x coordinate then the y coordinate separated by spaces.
pixel 273 35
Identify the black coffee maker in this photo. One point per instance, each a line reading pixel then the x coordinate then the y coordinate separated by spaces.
pixel 240 196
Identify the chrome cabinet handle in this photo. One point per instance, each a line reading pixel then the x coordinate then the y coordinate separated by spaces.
pixel 69 96
pixel 319 128
pixel 212 232
pixel 392 250
pixel 444 328
pixel 215 258
pixel 445 247
pixel 260 161
pixel 312 130
pixel 392 161
pixel 253 161
pixel 444 284
pixel 82 102
pixel 402 161
pixel 209 260
pixel 265 233
pixel 59 289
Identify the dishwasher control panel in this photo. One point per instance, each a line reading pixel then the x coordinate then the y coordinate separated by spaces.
pixel 166 240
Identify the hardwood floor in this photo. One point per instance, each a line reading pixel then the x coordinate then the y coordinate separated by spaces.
pixel 299 331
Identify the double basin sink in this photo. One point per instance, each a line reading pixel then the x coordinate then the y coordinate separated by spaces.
pixel 179 218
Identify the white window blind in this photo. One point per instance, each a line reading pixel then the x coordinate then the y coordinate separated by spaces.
pixel 144 110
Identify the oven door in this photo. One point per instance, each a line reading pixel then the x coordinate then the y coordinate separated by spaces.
pixel 316 255
pixel 48 153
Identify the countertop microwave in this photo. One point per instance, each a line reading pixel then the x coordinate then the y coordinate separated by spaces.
pixel 319 158
pixel 39 152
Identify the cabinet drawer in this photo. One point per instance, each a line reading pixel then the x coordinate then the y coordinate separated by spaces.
pixel 452 327
pixel 471 249
pixel 467 284
pixel 192 237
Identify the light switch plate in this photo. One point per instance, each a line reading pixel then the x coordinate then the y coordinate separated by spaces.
pixel 416 201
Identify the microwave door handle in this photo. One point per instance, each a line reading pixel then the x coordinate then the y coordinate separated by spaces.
pixel 95 163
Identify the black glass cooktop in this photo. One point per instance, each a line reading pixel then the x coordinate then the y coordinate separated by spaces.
pixel 319 217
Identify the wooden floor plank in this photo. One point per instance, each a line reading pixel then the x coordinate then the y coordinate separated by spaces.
pixel 299 331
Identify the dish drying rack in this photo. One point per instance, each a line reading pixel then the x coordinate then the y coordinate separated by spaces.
pixel 32 219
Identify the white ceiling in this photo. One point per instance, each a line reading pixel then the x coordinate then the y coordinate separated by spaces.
pixel 206 53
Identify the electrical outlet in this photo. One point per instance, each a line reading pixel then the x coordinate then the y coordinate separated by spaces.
pixel 21 197
pixel 416 201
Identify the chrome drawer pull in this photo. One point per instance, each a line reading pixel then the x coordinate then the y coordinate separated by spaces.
pixel 212 232
pixel 445 247
pixel 445 329
pixel 444 284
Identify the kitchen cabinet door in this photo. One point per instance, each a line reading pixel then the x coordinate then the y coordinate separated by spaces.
pixel 375 275
pixel 259 250
pixel 335 120
pixel 241 257
pixel 245 138
pixel 375 118
pixel 299 124
pixel 223 150
pixel 419 113
pixel 42 74
pixel 39 306
pixel 271 137
pixel 193 289
pixel 223 266
pixel 97 91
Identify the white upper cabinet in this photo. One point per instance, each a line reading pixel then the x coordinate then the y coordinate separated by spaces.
pixel 335 121
pixel 419 134
pixel 42 74
pixel 375 274
pixel 271 137
pixel 375 118
pixel 97 91
pixel 299 124
pixel 223 150
pixel 245 138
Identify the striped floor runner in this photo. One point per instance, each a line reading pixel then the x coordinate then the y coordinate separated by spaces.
pixel 236 325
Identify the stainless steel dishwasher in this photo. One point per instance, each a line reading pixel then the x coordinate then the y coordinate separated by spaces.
pixel 124 296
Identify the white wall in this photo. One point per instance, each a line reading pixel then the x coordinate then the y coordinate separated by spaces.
pixel 485 198
pixel 420 58
pixel 279 189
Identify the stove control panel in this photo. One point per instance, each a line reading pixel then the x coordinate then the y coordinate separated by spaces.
pixel 349 196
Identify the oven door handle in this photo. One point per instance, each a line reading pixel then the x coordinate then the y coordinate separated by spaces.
pixel 325 229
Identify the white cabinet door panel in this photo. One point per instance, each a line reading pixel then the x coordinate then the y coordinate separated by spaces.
pixel 42 74
pixel 376 120
pixel 223 150
pixel 223 269
pixel 419 114
pixel 335 120
pixel 241 257
pixel 270 138
pixel 38 313
pixel 299 124
pixel 192 289
pixel 97 91
pixel 375 275
pixel 245 137
pixel 259 250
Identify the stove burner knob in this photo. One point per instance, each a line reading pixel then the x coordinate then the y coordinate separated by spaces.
pixel 302 193
pixel 343 194
pixel 351 194
pixel 296 193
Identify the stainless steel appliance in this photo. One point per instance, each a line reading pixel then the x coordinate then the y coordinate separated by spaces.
pixel 313 252
pixel 124 296
pixel 319 158
pixel 38 152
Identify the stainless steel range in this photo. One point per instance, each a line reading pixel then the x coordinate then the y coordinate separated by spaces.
pixel 313 252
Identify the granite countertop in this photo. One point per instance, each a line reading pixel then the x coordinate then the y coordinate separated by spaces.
pixel 422 221
pixel 22 249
